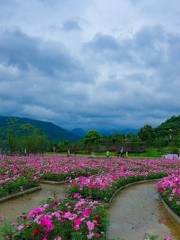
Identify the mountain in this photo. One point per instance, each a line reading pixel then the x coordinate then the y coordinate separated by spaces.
pixel 171 123
pixel 108 132
pixel 79 132
pixel 19 126
pixel 170 126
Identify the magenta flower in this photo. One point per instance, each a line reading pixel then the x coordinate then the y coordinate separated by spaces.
pixel 46 222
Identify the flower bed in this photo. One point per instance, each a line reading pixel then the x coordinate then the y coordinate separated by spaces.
pixel 169 189
pixel 97 179
pixel 103 189
pixel 73 218
pixel 18 185
pixel 70 175
pixel 15 177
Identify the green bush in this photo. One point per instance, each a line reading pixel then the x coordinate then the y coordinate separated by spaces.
pixel 20 184
pixel 173 203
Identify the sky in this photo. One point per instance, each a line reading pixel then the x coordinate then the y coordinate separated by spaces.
pixel 90 63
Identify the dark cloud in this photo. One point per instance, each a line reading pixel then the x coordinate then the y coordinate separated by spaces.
pixel 144 75
pixel 36 78
pixel 92 76
pixel 71 25
pixel 18 49
pixel 150 47
pixel 48 83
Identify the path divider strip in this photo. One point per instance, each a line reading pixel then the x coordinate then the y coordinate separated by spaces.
pixel 18 194
pixel 171 212
pixel 53 182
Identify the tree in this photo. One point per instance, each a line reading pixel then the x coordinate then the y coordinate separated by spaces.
pixel 92 137
pixel 13 143
pixel 146 133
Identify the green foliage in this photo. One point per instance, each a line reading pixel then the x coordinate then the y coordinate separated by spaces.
pixel 92 137
pixel 172 202
pixel 167 134
pixel 152 152
pixel 151 237
pixel 23 138
pixel 146 133
pixel 25 126
pixel 22 183
pixel 6 230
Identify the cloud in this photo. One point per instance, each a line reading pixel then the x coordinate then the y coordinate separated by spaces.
pixel 18 49
pixel 39 77
pixel 142 79
pixel 120 69
pixel 103 42
pixel 71 25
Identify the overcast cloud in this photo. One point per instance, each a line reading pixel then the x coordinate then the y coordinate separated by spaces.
pixel 90 63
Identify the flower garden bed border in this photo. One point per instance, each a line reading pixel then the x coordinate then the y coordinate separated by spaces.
pixel 20 193
pixel 171 212
pixel 53 182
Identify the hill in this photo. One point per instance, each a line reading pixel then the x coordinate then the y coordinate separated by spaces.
pixel 170 126
pixel 20 126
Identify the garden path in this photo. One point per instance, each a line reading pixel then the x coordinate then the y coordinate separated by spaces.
pixel 137 210
pixel 14 207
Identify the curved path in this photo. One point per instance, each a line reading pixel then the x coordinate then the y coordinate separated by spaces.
pixel 14 207
pixel 136 211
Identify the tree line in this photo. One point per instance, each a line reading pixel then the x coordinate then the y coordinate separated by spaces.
pixel 26 139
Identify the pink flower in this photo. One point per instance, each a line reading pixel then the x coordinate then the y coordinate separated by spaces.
pixel 47 223
pixel 90 235
pixel 168 238
pixel 77 223
pixel 90 225
pixel 35 212
pixel 69 215
pixel 20 227
pixel 86 213
pixel 58 238
pixel 76 195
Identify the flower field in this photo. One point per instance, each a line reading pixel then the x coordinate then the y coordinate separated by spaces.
pixel 82 215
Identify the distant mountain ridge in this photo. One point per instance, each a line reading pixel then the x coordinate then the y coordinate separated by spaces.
pixel 51 130
pixel 56 133
pixel 79 132
pixel 108 132
pixel 171 125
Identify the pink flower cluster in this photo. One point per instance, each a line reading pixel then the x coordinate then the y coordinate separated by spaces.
pixel 79 212
pixel 172 183
pixel 123 169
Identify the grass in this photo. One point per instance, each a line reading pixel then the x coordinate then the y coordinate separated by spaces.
pixel 149 153
pixel 153 153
